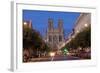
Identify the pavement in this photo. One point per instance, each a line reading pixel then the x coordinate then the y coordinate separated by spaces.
pixel 55 58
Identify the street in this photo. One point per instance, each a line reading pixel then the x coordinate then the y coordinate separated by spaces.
pixel 55 58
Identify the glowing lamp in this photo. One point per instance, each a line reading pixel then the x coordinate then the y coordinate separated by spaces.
pixel 52 54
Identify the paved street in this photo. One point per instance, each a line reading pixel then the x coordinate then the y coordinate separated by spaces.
pixel 56 58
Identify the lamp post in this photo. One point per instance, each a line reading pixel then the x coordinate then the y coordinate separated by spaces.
pixel 86 25
pixel 25 23
pixel 52 54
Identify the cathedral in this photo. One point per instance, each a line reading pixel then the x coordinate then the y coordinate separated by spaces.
pixel 55 36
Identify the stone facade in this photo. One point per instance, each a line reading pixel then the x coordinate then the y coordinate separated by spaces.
pixel 54 36
pixel 83 21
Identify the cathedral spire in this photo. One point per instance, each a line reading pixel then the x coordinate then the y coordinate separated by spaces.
pixel 50 23
pixel 60 24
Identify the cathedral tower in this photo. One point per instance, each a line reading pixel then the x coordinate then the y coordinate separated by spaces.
pixel 50 24
pixel 60 25
pixel 55 35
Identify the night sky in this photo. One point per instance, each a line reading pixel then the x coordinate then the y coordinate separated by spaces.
pixel 40 20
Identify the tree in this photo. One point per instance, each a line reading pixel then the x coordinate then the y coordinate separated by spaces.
pixel 33 40
pixel 82 39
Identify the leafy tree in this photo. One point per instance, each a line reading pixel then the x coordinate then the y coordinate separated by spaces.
pixel 82 39
pixel 33 40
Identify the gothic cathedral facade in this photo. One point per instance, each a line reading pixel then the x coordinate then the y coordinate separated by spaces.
pixel 55 36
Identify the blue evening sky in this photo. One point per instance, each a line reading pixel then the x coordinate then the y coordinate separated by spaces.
pixel 40 20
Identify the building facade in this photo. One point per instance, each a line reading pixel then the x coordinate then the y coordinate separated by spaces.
pixel 83 21
pixel 54 36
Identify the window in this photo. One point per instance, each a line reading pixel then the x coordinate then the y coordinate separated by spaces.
pixel 50 38
pixel 60 38
pixel 55 38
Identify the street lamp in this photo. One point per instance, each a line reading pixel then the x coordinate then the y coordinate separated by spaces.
pixel 52 54
pixel 73 36
pixel 77 31
pixel 25 23
pixel 85 25
pixel 68 53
